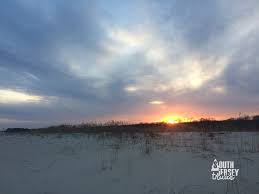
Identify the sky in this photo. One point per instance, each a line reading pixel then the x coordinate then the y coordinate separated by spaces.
pixel 64 61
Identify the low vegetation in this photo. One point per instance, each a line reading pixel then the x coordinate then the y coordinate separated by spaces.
pixel 242 123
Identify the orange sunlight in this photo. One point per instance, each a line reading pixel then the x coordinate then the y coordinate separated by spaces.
pixel 173 119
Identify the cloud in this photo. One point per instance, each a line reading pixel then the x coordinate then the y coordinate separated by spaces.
pixel 92 60
pixel 156 102
pixel 13 97
pixel 218 40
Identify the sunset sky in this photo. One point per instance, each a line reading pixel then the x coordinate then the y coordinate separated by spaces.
pixel 64 61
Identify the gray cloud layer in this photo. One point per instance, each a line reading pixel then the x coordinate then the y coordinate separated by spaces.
pixel 82 57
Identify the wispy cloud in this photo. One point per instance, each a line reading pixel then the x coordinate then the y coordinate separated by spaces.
pixel 156 102
pixel 14 97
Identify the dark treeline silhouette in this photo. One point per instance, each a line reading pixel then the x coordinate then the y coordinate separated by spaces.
pixel 242 123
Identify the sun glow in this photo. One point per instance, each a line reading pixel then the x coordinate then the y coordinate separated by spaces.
pixel 173 119
pixel 169 120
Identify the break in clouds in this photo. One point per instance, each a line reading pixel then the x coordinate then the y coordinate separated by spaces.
pixel 65 61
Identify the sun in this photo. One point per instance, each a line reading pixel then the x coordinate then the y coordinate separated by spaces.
pixel 174 119
pixel 171 119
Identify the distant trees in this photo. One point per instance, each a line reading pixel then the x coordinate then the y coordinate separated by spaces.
pixel 244 117
pixel 207 119
pixel 241 117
